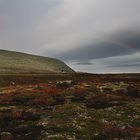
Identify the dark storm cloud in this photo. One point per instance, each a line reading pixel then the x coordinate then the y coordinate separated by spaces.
pixel 129 37
pixel 96 51
pixel 84 63
pixel 115 64
pixel 126 65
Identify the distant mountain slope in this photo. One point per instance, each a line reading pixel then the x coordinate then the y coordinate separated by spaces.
pixel 15 62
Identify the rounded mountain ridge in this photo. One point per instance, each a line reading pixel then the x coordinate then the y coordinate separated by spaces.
pixel 17 62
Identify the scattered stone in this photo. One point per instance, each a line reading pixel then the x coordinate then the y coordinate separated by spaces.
pixel 6 136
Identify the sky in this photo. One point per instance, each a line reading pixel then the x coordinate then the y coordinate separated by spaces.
pixel 96 36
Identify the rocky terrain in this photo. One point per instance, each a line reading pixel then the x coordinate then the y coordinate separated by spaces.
pixel 70 107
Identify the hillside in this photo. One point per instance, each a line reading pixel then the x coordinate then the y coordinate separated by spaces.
pixel 15 62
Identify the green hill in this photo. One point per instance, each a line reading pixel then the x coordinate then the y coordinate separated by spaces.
pixel 16 62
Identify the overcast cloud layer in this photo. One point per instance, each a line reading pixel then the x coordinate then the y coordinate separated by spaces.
pixel 89 35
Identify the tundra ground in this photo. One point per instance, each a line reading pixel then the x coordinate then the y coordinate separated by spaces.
pixel 70 107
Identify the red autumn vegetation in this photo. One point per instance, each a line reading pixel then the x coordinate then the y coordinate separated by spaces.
pixel 42 101
pixel 6 99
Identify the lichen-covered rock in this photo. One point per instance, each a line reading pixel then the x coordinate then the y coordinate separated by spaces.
pixel 6 136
